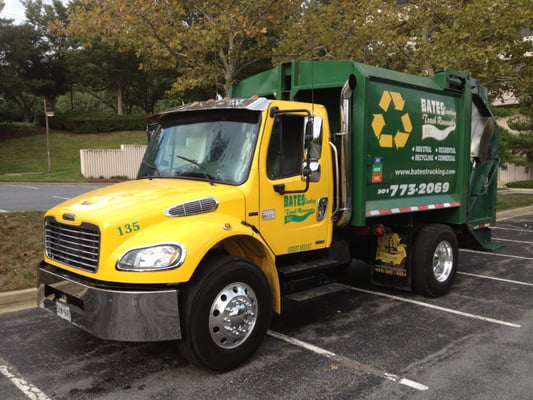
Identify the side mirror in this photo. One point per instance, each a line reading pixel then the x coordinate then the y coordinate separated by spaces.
pixel 309 128
pixel 312 148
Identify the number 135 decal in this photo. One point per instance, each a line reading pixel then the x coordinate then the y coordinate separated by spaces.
pixel 126 229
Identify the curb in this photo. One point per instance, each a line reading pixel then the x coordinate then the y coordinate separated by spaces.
pixel 18 300
pixel 515 212
pixel 27 298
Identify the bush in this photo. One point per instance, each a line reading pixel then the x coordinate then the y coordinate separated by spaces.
pixel 15 128
pixel 95 122
pixel 503 112
pixel 520 185
pixel 520 124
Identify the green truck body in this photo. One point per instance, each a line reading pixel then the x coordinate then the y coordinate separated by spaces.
pixel 418 144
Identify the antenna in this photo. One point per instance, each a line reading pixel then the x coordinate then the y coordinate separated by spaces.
pixel 312 44
pixel 215 70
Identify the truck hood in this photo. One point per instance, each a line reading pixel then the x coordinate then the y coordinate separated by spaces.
pixel 144 199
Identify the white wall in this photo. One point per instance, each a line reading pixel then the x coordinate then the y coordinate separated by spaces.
pixel 109 163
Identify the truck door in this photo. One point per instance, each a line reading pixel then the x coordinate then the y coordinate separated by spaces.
pixel 295 214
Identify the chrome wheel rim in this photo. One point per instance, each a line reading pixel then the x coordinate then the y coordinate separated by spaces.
pixel 233 315
pixel 443 261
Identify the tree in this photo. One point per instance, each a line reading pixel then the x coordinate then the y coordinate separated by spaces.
pixel 41 17
pixel 206 42
pixel 368 31
pixel 31 64
pixel 21 66
pixel 100 67
pixel 481 37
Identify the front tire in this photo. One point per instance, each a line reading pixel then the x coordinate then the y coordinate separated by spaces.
pixel 226 313
pixel 435 260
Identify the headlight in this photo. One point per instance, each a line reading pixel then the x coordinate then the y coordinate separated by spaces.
pixel 153 258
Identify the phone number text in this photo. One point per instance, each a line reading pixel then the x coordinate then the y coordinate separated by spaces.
pixel 412 189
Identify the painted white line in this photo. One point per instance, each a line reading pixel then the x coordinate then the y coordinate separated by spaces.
pixel 496 279
pixel 448 310
pixel 25 387
pixel 511 229
pixel 406 382
pixel 513 241
pixel 300 343
pixel 24 186
pixel 368 369
pixel 60 198
pixel 495 254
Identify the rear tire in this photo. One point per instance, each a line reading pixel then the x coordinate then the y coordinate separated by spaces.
pixel 435 260
pixel 226 312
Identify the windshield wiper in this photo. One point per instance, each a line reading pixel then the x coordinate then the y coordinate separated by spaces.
pixel 209 178
pixel 153 168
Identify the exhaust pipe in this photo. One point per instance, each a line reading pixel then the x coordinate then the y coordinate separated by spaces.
pixel 344 182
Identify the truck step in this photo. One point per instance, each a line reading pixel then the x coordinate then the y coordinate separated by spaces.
pixel 287 271
pixel 307 295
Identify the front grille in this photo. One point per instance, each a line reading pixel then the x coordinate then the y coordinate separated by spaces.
pixel 205 205
pixel 75 246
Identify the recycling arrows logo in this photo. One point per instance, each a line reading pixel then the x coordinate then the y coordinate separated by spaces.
pixel 388 139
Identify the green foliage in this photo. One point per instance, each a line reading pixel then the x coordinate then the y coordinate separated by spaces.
pixel 502 112
pixel 82 101
pixel 15 128
pixel 520 124
pixel 516 148
pixel 520 185
pixel 94 122
pixel 135 51
pixel 208 43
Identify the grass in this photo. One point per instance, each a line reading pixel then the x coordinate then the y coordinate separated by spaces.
pixel 22 236
pixel 24 154
pixel 21 249
pixel 510 200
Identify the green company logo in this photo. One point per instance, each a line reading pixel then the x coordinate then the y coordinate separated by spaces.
pixel 391 139
pixel 297 208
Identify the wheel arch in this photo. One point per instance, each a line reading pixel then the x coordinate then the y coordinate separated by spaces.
pixel 251 249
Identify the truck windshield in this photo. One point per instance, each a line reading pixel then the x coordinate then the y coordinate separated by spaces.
pixel 213 145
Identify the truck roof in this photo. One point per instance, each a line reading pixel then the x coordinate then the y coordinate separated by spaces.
pixel 251 103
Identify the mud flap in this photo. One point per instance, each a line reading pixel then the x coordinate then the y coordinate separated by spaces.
pixel 391 264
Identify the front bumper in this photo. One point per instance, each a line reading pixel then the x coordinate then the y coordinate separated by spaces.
pixel 112 312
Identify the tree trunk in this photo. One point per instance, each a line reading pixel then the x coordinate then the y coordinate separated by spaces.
pixel 120 100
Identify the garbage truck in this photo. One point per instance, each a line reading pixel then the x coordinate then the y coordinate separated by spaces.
pixel 247 205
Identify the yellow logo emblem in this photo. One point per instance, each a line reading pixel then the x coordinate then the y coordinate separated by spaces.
pixel 387 139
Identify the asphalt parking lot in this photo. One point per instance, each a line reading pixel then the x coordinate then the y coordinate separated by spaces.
pixel 369 343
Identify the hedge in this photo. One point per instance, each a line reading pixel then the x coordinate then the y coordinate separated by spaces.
pixel 520 185
pixel 95 122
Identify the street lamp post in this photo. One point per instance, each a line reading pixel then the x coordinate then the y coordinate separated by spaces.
pixel 48 114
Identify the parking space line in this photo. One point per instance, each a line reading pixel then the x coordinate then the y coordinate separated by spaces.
pixel 448 310
pixel 495 254
pixel 513 241
pixel 25 387
pixel 511 229
pixel 368 369
pixel 496 279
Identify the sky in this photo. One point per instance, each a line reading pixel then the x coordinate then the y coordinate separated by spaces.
pixel 13 10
